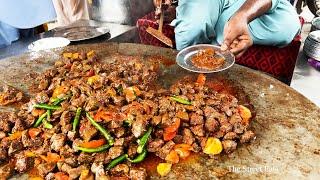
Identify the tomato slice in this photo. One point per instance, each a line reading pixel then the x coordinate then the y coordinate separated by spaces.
pixel 51 157
pixel 108 116
pixel 93 143
pixel 61 176
pixel 174 126
pixel 167 136
pixel 34 132
pixel 201 80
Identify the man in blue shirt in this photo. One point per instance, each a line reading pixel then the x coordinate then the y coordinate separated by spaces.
pixel 235 24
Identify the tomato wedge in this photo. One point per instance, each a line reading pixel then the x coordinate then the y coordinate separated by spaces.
pixel 174 126
pixel 34 132
pixel 171 131
pixel 201 80
pixel 167 136
pixel 108 116
pixel 61 176
pixel 51 157
pixel 93 143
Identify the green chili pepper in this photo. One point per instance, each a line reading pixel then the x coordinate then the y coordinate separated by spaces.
pixel 76 119
pixel 143 140
pixel 104 132
pixel 140 157
pixel 40 119
pixel 46 106
pixel 48 115
pixel 117 161
pixel 94 150
pixel 57 101
pixel 47 125
pixel 52 100
pixel 181 100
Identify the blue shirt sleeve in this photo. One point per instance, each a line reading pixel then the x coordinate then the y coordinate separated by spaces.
pixel 274 6
pixel 25 14
pixel 7 34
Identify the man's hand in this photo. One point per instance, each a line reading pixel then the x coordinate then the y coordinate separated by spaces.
pixel 236 36
pixel 236 32
pixel 166 7
pixel 157 2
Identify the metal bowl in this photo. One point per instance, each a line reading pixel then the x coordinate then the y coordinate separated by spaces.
pixel 312 45
pixel 184 58
pixel 80 33
pixel 315 24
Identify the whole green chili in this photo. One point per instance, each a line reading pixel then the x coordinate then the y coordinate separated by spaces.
pixel 143 140
pixel 104 132
pixel 140 157
pixel 47 114
pixel 40 119
pixel 117 161
pixel 94 150
pixel 46 106
pixel 76 119
pixel 181 100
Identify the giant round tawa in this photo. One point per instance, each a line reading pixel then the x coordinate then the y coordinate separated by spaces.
pixel 286 124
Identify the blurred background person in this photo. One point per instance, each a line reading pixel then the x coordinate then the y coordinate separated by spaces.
pixel 18 18
pixel 69 11
pixel 25 18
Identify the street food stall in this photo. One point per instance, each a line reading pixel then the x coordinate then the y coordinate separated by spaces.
pixel 105 104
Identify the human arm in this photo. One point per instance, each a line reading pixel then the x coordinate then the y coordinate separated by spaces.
pixel 236 32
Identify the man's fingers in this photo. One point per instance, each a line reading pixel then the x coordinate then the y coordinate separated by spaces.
pixel 236 41
pixel 244 42
pixel 229 36
pixel 234 44
pixel 224 47
pixel 241 53
pixel 242 45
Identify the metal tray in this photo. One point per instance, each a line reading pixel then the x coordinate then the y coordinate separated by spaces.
pixel 80 33
pixel 184 58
